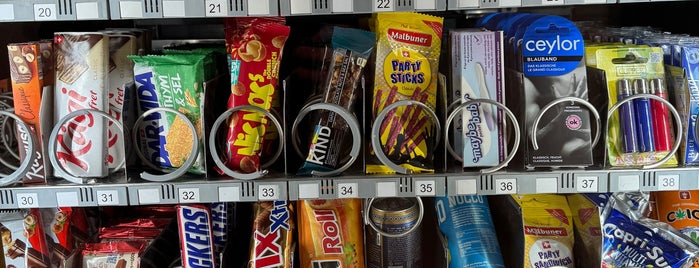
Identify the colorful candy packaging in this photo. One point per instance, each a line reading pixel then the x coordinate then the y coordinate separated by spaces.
pixel 330 233
pixel 467 229
pixel 632 240
pixel 680 209
pixel 272 242
pixel 407 59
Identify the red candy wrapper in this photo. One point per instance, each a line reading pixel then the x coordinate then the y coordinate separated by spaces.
pixel 57 224
pixel 255 46
pixel 23 240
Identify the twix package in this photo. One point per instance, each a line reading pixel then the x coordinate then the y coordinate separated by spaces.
pixel 255 46
pixel 330 233
pixel 272 240
pixel 81 82
pixel 23 240
pixel 27 68
pixel 407 59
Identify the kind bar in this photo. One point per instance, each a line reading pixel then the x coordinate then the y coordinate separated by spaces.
pixel 121 81
pixel 23 240
pixel 330 233
pixel 407 58
pixel 631 240
pixel 272 240
pixel 196 236
pixel 172 81
pixel 122 254
pixel 27 92
pixel 81 83
pixel 255 46
pixel 351 50
pixel 58 233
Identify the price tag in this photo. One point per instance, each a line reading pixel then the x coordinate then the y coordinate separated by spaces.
pixel 173 8
pixel 87 11
pixel 386 189
pixel 342 6
pixel 506 186
pixel 466 187
pixel 300 6
pixel 67 199
pixel 7 12
pixel 268 192
pixel 44 12
pixel 189 195
pixel 229 194
pixel 467 3
pixel 595 1
pixel 384 5
pixel 586 184
pixel 258 7
pixel 148 196
pixel 108 198
pixel 347 190
pixel 426 4
pixel 130 9
pixel 628 183
pixel 546 186
pixel 27 200
pixel 552 2
pixel 510 3
pixel 216 8
pixel 425 188
pixel 669 182
pixel 308 191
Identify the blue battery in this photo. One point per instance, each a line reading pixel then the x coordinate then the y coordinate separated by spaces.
pixel 644 119
pixel 467 228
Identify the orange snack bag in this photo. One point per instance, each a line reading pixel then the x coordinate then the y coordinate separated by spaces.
pixel 330 232
pixel 680 209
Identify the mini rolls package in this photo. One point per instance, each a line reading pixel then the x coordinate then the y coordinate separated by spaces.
pixel 544 57
pixel 407 59
pixel 351 51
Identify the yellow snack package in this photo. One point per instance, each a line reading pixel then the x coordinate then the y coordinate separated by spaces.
pixel 588 233
pixel 407 59
pixel 548 230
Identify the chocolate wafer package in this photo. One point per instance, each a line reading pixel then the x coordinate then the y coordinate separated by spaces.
pixel 82 62
pixel 272 243
pixel 176 82
pixel 23 240
pixel 59 235
pixel 407 59
pixel 121 93
pixel 122 254
pixel 351 50
pixel 33 103
pixel 255 46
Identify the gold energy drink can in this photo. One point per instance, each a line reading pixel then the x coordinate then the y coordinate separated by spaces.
pixel 393 238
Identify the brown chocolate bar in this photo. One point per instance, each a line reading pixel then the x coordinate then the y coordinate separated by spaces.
pixel 19 68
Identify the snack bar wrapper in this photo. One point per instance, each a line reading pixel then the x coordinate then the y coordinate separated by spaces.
pixel 255 46
pixel 330 233
pixel 122 254
pixel 59 236
pixel 351 50
pixel 407 59
pixel 23 240
pixel 272 243
pixel 196 236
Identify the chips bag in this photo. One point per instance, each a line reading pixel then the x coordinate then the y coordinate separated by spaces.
pixel 407 59
pixel 171 81
pixel 255 46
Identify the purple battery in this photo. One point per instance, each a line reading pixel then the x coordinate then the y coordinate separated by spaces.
pixel 627 122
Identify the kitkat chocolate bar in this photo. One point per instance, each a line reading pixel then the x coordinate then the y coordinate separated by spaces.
pixel 81 83
pixel 255 46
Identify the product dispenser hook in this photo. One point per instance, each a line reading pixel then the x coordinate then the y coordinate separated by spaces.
pixel 535 124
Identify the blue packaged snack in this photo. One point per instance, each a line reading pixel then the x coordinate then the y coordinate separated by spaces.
pixel 631 240
pixel 467 231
